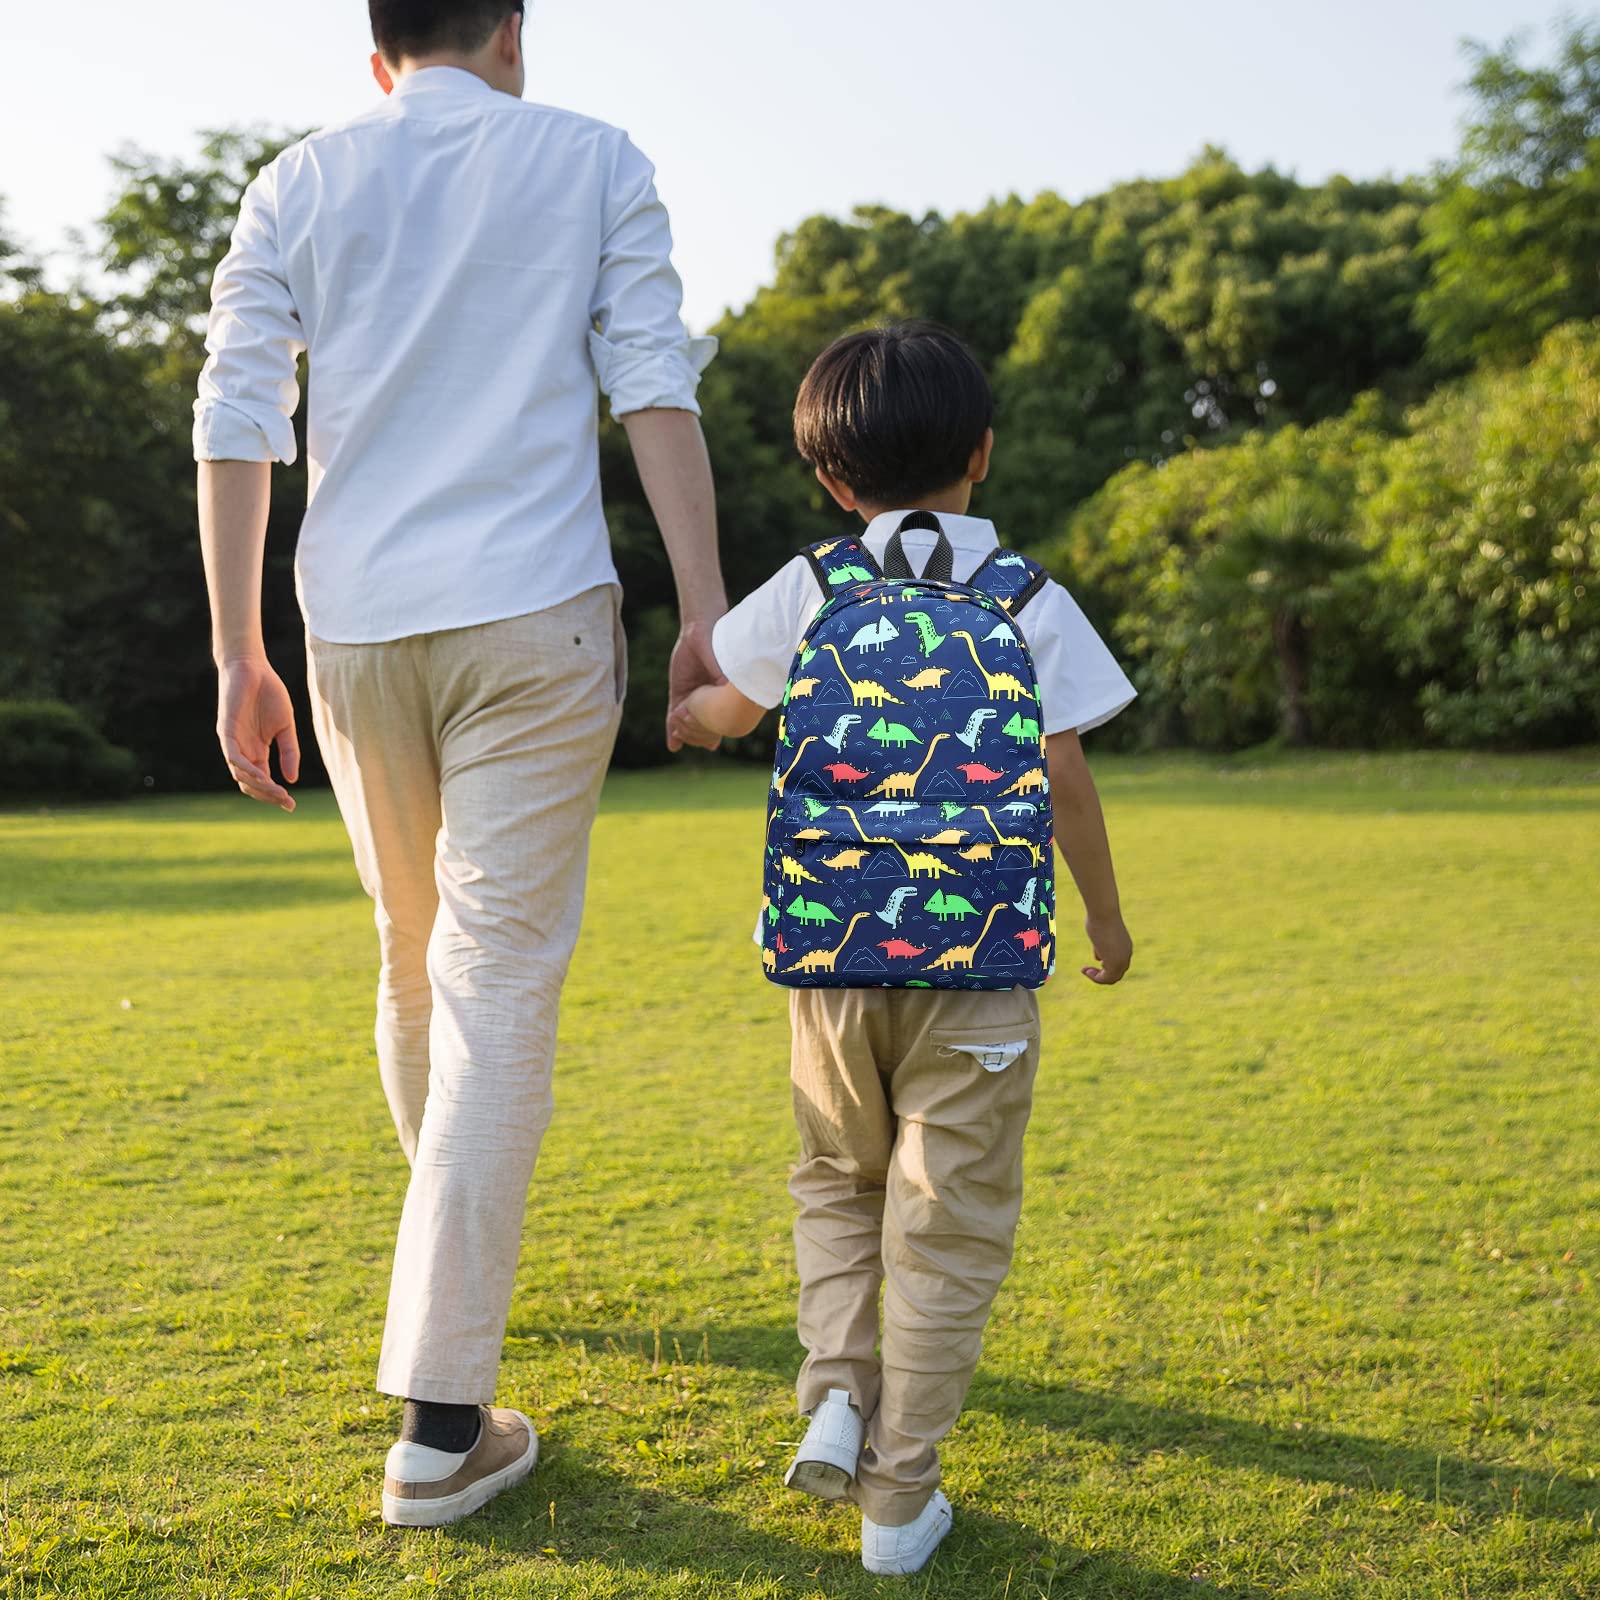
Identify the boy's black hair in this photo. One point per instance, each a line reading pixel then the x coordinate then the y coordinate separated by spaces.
pixel 894 413
pixel 418 27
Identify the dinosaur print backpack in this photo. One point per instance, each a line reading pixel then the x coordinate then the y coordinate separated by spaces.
pixel 908 825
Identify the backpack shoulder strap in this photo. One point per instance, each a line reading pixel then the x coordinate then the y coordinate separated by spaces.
pixel 1010 578
pixel 837 562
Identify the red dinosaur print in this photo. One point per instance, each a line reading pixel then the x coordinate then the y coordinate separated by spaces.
pixel 976 772
pixel 1030 938
pixel 900 949
pixel 843 772
pixel 783 949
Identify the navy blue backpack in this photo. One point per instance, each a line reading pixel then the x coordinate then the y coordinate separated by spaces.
pixel 908 824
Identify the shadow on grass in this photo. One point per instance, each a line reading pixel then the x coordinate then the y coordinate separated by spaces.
pixel 185 885
pixel 1307 1455
pixel 615 1523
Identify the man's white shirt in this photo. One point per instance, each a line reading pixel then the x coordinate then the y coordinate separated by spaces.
pixel 462 267
pixel 1080 683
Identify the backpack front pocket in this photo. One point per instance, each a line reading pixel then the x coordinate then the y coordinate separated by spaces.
pixel 904 894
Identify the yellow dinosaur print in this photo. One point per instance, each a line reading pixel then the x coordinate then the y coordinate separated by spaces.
pixel 982 850
pixel 769 960
pixel 845 860
pixel 823 960
pixel 801 688
pixel 865 691
pixel 1001 685
pixel 963 955
pixel 946 836
pixel 793 872
pixel 811 835
pixel 919 863
pixel 905 783
pixel 826 550
pixel 1031 781
pixel 1002 838
pixel 928 678
pixel 778 783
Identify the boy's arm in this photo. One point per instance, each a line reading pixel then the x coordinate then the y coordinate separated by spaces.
pixel 719 711
pixel 1080 828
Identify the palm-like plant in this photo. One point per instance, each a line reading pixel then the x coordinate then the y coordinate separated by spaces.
pixel 1284 558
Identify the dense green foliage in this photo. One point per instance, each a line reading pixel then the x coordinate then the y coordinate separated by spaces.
pixel 1167 356
pixel 1304 1302
pixel 48 749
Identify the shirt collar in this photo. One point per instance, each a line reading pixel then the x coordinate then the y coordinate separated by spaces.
pixel 967 533
pixel 456 82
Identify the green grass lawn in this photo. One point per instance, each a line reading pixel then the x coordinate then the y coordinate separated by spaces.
pixel 1305 1300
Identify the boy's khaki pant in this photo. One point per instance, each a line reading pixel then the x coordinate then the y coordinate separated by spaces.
pixel 910 1177
pixel 467 766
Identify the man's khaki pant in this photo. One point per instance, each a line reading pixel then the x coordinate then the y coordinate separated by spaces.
pixel 910 1177
pixel 467 766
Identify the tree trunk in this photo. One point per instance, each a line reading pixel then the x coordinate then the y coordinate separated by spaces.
pixel 1289 635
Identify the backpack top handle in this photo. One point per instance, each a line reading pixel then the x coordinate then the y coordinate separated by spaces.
pixel 940 564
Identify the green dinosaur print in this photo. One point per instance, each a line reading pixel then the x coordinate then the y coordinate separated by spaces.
pixel 923 623
pixel 850 573
pixel 810 912
pixel 894 734
pixel 807 654
pixel 1023 729
pixel 944 905
pixel 950 809
pixel 815 808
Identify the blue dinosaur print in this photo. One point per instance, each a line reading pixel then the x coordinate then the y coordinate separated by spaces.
pixel 841 729
pixel 972 734
pixel 891 910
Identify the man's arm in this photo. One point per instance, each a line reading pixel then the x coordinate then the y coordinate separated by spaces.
pixel 649 368
pixel 670 452
pixel 253 707
pixel 1081 837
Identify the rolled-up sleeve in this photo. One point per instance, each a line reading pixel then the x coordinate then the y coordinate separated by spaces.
pixel 249 386
pixel 642 356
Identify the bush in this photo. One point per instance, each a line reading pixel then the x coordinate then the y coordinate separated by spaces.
pixel 47 748
pixel 1489 516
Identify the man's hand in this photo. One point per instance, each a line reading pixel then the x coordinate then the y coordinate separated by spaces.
pixel 1113 949
pixel 254 712
pixel 692 665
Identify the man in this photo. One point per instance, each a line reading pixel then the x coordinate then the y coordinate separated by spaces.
pixel 461 267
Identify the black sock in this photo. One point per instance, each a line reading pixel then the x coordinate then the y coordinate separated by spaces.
pixel 441 1427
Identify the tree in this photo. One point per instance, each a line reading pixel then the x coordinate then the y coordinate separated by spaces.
pixel 1514 238
pixel 1286 557
pixel 169 226
pixel 1487 511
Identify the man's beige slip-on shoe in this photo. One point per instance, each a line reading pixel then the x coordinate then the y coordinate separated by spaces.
pixel 426 1488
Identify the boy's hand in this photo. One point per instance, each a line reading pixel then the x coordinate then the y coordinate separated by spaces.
pixel 254 712
pixel 687 729
pixel 692 664
pixel 1113 949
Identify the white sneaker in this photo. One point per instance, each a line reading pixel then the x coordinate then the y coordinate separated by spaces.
pixel 894 1552
pixel 825 1464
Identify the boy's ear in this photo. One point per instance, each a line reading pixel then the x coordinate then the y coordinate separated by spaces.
pixel 380 72
pixel 843 495
pixel 978 467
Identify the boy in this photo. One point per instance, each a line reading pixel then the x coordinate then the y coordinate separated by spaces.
pixel 911 1102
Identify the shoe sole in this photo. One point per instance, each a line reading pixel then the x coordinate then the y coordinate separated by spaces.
pixel 450 1508
pixel 821 1478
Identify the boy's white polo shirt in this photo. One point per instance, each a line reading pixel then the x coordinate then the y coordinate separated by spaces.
pixel 1080 683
